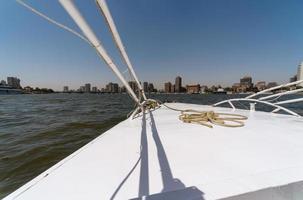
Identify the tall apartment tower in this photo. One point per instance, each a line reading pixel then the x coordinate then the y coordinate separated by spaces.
pixel 300 73
pixel 168 87
pixel 151 87
pixel 13 82
pixel 178 84
pixel 65 89
pixel 145 86
pixel 87 88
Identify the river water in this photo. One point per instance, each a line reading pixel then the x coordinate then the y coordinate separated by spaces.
pixel 37 131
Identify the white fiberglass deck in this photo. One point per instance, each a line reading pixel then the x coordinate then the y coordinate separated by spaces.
pixel 157 154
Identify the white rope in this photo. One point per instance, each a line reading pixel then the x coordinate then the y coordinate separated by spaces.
pixel 75 14
pixel 53 21
pixel 117 39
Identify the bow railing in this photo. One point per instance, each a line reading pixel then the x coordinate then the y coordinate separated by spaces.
pixel 269 100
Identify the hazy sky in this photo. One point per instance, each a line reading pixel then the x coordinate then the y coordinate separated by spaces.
pixel 204 41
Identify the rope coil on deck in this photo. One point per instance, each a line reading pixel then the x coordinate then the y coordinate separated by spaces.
pixel 206 118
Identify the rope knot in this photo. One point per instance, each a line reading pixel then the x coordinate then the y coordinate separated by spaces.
pixel 207 118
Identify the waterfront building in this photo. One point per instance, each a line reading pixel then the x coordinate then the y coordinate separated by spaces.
pixel 13 82
pixel 145 86
pixel 28 89
pixel 108 87
pixel 65 89
pixel 82 89
pixel 272 84
pixel 151 87
pixel 112 87
pixel 3 82
pixel 261 85
pixel 115 88
pixel 87 88
pixel 193 89
pixel 123 89
pixel 238 88
pixel 133 86
pixel 94 89
pixel 168 87
pixel 246 81
pixel 178 84
pixel 300 73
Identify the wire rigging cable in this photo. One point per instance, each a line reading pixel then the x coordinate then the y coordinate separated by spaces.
pixel 102 5
pixel 54 21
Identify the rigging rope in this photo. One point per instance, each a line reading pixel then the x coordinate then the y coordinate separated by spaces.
pixel 53 21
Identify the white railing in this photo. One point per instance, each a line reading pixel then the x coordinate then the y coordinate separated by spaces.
pixel 266 100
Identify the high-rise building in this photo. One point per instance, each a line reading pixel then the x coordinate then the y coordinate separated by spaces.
pixel 112 87
pixel 82 89
pixel 65 89
pixel 94 89
pixel 145 86
pixel 300 73
pixel 115 88
pixel 13 82
pixel 3 82
pixel 178 84
pixel 108 87
pixel 133 86
pixel 168 87
pixel 151 87
pixel 246 81
pixel 87 88
pixel 123 89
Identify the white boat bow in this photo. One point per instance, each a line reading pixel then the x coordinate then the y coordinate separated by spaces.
pixel 156 156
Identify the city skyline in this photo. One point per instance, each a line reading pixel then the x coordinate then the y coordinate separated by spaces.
pixel 179 81
pixel 208 42
pixel 245 84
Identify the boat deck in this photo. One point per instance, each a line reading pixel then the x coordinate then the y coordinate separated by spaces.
pixel 159 157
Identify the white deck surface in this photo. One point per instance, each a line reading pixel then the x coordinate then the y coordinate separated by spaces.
pixel 220 162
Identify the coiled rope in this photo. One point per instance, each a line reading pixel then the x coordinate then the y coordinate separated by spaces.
pixel 205 118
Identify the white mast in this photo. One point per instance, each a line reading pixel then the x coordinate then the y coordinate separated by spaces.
pixel 72 10
pixel 107 15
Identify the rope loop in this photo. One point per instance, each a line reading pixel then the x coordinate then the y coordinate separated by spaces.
pixel 207 118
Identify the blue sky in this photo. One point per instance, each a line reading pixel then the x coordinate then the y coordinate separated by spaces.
pixel 204 41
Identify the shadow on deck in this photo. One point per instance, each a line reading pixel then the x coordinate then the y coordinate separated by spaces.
pixel 173 188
